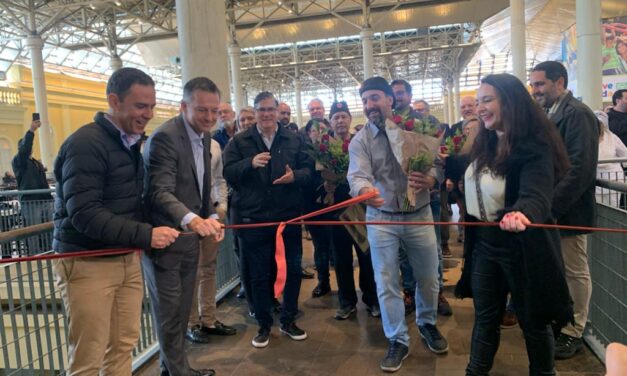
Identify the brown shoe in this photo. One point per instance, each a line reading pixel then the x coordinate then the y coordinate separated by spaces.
pixel 509 320
pixel 446 251
pixel 444 308
pixel 409 301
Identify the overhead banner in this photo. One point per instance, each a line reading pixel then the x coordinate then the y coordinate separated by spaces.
pixel 613 52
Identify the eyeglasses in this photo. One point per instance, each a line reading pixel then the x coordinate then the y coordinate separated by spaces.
pixel 266 109
pixel 285 113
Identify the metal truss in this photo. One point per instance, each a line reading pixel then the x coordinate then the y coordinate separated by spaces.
pixel 334 64
pixel 84 35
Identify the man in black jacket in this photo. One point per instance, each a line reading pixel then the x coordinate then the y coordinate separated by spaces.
pixel 99 174
pixel 267 165
pixel 573 200
pixel 618 115
pixel 31 174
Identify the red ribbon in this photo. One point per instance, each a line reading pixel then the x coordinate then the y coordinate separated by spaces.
pixel 279 254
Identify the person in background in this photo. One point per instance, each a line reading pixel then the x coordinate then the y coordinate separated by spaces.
pixel 226 125
pixel 402 107
pixel 343 243
pixel 314 195
pixel 574 203
pixel 617 115
pixel 202 320
pixel 245 119
pixel 610 146
pixel 30 174
pixel 516 161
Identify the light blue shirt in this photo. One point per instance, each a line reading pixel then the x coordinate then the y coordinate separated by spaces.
pixel 128 140
pixel 199 160
pixel 372 164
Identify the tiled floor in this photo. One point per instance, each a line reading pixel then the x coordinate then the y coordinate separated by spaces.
pixel 355 347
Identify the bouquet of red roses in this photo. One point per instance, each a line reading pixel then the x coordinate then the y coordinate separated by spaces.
pixel 414 151
pixel 418 125
pixel 331 156
pixel 453 145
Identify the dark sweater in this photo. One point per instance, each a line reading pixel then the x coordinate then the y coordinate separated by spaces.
pixel 99 188
pixel 618 124
pixel 29 172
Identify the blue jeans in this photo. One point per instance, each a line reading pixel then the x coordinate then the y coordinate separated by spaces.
pixel 409 283
pixel 420 244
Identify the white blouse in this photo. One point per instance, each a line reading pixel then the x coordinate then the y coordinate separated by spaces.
pixel 492 193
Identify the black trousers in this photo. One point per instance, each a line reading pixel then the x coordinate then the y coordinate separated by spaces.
pixel 343 256
pixel 258 251
pixel 495 270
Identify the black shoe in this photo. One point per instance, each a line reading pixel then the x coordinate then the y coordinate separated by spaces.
pixel 321 290
pixel 344 312
pixel 397 352
pixel 197 334
pixel 294 332
pixel 566 346
pixel 241 293
pixel 262 338
pixel 435 342
pixel 374 311
pixel 444 308
pixel 202 372
pixel 276 305
pixel 219 329
pixel 306 274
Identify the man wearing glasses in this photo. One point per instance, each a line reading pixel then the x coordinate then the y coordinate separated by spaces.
pixel 267 165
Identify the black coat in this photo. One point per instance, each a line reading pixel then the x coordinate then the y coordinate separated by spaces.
pixel 254 195
pixel 99 189
pixel 528 189
pixel 574 203
pixel 618 124
pixel 29 172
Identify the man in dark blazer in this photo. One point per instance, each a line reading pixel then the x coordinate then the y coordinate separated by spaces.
pixel 573 200
pixel 177 194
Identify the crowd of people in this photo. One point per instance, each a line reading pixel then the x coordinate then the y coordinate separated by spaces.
pixel 528 159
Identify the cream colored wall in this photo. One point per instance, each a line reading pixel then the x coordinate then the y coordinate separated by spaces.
pixel 72 102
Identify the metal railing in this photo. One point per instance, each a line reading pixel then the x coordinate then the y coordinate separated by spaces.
pixel 33 323
pixel 607 258
pixel 21 209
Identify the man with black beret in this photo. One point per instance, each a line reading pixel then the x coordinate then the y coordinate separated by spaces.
pixel 374 168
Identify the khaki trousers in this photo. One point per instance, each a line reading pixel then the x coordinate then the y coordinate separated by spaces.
pixel 203 310
pixel 103 300
pixel 575 254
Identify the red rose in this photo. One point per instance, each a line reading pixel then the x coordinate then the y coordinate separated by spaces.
pixel 397 119
pixel 325 137
pixel 345 147
pixel 409 125
pixel 443 149
pixel 333 162
pixel 323 148
pixel 457 140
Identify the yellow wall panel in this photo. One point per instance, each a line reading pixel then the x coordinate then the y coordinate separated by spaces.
pixel 72 103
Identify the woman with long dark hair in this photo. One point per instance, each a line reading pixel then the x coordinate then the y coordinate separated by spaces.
pixel 516 160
